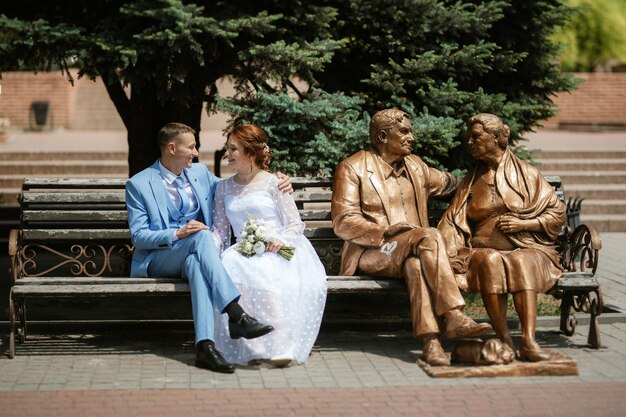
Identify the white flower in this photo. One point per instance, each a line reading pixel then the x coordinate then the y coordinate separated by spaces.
pixel 259 248
pixel 260 232
pixel 247 247
pixel 251 238
pixel 243 234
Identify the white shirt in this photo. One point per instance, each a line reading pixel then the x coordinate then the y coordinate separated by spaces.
pixel 170 187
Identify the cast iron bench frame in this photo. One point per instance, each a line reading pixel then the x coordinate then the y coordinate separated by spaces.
pixel 81 224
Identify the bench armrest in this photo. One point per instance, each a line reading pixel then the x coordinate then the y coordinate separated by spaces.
pixel 581 249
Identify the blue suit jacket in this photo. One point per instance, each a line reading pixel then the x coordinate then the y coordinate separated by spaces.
pixel 148 219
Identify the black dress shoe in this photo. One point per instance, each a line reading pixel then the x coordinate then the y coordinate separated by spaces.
pixel 248 327
pixel 209 358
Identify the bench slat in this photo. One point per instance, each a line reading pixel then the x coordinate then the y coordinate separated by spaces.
pixel 87 289
pixel 73 197
pixel 578 281
pixel 95 290
pixel 75 215
pixel 312 196
pixel 95 281
pixel 301 182
pixel 315 215
pixel 44 235
pixel 90 183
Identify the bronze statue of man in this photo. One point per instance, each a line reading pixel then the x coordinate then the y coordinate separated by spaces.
pixel 379 208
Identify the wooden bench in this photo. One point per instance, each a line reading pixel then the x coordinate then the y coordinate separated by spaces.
pixel 73 241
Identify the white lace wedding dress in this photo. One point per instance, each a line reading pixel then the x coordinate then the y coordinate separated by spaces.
pixel 289 295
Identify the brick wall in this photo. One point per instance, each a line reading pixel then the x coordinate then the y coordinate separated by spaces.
pixel 599 102
pixel 20 89
pixel 85 106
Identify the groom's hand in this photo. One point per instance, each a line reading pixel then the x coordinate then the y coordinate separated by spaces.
pixel 190 228
pixel 285 183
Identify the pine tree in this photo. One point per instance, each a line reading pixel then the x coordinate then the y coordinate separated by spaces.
pixel 439 60
pixel 444 61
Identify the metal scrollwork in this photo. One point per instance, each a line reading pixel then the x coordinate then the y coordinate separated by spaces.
pixel 586 302
pixel 581 250
pixel 82 260
pixel 125 253
pixel 329 252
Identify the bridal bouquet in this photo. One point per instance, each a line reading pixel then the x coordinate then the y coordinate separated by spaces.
pixel 253 239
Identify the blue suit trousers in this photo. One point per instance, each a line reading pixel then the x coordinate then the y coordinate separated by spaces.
pixel 196 259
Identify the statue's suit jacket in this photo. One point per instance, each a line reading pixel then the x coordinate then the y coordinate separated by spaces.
pixel 148 218
pixel 360 203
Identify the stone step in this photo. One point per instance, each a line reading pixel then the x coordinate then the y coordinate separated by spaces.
pixel 579 154
pixel 8 196
pixel 605 222
pixel 16 181
pixel 70 168
pixel 596 191
pixel 594 206
pixel 78 156
pixel 582 164
pixel 59 156
pixel 589 177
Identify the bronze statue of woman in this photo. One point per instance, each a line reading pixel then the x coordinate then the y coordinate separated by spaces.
pixel 500 231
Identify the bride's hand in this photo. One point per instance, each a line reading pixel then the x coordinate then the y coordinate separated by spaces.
pixel 274 246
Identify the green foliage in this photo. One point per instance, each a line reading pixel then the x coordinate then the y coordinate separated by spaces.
pixel 546 306
pixel 595 34
pixel 308 136
pixel 451 60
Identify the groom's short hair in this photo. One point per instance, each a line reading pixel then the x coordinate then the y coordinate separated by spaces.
pixel 171 131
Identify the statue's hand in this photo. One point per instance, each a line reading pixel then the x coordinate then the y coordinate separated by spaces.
pixel 511 224
pixel 398 228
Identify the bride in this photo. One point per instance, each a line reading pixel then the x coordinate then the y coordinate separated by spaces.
pixel 288 294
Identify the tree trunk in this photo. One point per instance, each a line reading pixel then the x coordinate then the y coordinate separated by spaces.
pixel 144 115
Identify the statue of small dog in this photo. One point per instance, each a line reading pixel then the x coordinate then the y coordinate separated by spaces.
pixel 479 352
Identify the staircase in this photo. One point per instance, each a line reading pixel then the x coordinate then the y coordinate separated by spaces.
pixel 15 166
pixel 597 176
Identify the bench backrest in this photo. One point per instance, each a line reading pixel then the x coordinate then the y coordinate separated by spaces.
pixel 78 227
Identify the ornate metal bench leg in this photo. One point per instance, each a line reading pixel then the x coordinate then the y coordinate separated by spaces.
pixel 22 315
pixel 595 309
pixel 12 331
pixel 568 321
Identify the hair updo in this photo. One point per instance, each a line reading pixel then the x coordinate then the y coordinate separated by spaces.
pixel 494 125
pixel 254 143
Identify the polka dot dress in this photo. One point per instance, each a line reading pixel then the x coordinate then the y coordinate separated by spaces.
pixel 289 295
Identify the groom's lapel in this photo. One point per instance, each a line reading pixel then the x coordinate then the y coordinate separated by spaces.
pixel 158 190
pixel 200 190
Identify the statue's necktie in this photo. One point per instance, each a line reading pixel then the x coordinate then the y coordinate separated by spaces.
pixel 184 198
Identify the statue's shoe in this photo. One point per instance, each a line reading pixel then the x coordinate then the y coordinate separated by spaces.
pixel 459 325
pixel 434 355
pixel 539 355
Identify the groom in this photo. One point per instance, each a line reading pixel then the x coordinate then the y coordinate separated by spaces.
pixel 170 206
